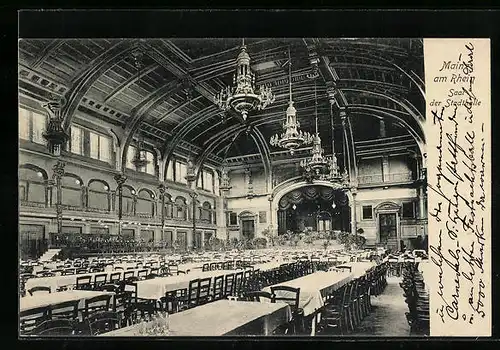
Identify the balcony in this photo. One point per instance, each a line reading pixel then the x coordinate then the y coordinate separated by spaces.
pixel 32 204
pixel 375 179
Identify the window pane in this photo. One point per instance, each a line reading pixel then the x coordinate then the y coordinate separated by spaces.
pixel 130 156
pixel 24 124
pixel 104 148
pixel 39 124
pixel 170 171
pixel 76 140
pixel 180 172
pixel 367 212
pixel 199 181
pixel 94 145
pixel 208 181
pixel 150 167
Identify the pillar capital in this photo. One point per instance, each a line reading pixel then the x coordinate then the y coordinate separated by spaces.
pixel 120 179
pixel 58 170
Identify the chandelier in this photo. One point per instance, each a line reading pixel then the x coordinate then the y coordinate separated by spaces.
pixel 55 134
pixel 140 160
pixel 292 138
pixel 243 96
pixel 317 165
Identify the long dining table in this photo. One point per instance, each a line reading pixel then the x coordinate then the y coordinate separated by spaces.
pixel 50 299
pixel 222 317
pixel 313 290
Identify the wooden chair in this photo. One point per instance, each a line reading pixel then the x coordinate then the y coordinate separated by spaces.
pixel 238 284
pixel 173 268
pixel 332 316
pixel 192 297
pixel 67 310
pixel 291 296
pixel 83 283
pixel 39 289
pixel 97 303
pixel 103 322
pixel 55 328
pixel 218 288
pixel 229 285
pixel 100 280
pixel 204 291
pixel 142 274
pixel 258 295
pixel 206 267
pixel 127 275
pixel 32 318
pixel 115 277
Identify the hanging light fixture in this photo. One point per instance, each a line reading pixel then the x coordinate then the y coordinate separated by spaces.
pixel 292 138
pixel 243 96
pixel 140 160
pixel 317 165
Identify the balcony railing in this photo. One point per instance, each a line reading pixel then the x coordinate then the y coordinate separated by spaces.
pixel 387 178
pixel 32 204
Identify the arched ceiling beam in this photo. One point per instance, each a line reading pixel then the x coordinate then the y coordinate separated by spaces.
pixel 129 82
pixel 375 111
pixel 141 111
pixel 183 128
pixel 87 78
pixel 177 108
pixel 368 54
pixel 418 117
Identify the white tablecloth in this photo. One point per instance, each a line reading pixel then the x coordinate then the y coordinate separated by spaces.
pixel 223 317
pixel 47 299
pixel 359 268
pixel 314 288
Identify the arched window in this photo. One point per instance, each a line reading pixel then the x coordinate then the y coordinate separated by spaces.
pixel 169 208
pixel 32 184
pixel 98 196
pixel 180 208
pixel 71 190
pixel 128 200
pixel 206 214
pixel 145 203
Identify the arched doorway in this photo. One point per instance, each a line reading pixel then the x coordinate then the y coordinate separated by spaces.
pixel 313 208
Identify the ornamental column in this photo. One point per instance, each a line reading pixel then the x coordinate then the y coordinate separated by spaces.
pixel 58 173
pixel 161 190
pixel 354 226
pixel 120 180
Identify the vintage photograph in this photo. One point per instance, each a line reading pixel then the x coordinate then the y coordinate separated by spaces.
pixel 173 187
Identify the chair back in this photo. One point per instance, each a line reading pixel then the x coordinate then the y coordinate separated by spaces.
pixel 259 296
pixel 229 285
pixel 100 280
pixel 115 277
pixel 238 283
pixel 193 292
pixel 103 322
pixel 213 266
pixel 173 268
pixel 32 318
pixel 287 294
pixel 39 289
pixel 97 303
pixel 142 274
pixel 206 267
pixel 127 275
pixel 55 328
pixel 204 290
pixel 67 310
pixel 218 287
pixel 83 283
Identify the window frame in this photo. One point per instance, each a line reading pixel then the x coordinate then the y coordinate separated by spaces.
pixel 413 209
pixel 363 217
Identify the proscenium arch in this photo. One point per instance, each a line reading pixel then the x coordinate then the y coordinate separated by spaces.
pixel 295 183
pixel 85 80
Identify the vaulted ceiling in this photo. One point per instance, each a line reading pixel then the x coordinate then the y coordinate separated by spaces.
pixel 170 96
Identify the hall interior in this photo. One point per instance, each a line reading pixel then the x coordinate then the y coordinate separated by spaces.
pixel 192 159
